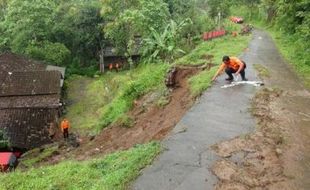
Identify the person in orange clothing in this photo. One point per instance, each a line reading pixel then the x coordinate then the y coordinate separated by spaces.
pixel 110 66
pixel 117 67
pixel 231 65
pixel 65 125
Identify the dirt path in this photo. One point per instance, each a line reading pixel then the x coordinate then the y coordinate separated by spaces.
pixel 275 155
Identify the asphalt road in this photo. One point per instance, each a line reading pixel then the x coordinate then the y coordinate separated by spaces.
pixel 219 115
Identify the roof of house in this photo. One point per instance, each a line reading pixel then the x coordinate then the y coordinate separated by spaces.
pixel 30 83
pixel 41 101
pixel 11 62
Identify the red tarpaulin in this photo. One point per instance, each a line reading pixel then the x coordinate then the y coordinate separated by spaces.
pixel 7 159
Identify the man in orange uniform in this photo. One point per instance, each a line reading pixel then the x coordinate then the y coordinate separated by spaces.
pixel 231 65
pixel 65 125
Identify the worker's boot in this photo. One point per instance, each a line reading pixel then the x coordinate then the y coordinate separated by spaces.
pixel 242 73
pixel 229 72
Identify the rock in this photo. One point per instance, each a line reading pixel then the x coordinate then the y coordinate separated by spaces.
pixel 278 151
pixel 92 137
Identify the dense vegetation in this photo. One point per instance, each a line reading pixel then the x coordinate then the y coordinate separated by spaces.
pixel 73 33
pixel 289 24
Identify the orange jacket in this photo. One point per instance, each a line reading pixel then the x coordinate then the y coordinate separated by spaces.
pixel 65 124
pixel 234 63
pixel 110 66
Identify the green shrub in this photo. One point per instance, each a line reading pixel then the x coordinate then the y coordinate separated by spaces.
pixel 55 53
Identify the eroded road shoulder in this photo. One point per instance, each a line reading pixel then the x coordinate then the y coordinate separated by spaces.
pixel 276 155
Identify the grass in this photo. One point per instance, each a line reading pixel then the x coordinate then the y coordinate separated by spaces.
pixel 98 102
pixel 218 47
pixel 114 171
pixel 125 121
pixel 39 156
pixel 295 52
pixel 88 96
pixel 262 71
pixel 144 79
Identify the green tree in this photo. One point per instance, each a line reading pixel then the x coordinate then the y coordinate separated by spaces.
pixel 125 20
pixel 56 53
pixel 215 6
pixel 163 44
pixel 270 8
pixel 79 27
pixel 252 4
pixel 3 7
pixel 26 22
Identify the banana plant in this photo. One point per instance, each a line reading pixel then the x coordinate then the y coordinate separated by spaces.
pixel 163 44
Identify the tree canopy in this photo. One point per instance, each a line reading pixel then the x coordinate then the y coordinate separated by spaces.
pixel 74 32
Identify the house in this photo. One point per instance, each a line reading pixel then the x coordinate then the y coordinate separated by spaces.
pixel 110 56
pixel 30 101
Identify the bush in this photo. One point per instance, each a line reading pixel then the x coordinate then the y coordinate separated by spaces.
pixel 76 68
pixel 56 53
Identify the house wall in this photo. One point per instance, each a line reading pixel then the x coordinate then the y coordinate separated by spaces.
pixel 28 128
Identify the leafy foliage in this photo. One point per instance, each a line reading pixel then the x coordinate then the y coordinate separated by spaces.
pixel 289 23
pixel 219 6
pixel 164 44
pixel 54 31
pixel 125 20
pixel 56 53
pixel 25 22
pixel 79 28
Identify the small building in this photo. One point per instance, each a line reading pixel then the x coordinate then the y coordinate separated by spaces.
pixel 30 101
pixel 112 57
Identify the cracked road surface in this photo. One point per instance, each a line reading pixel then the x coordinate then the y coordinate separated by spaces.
pixel 220 114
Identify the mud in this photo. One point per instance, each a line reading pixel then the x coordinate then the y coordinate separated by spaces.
pixel 259 165
pixel 151 122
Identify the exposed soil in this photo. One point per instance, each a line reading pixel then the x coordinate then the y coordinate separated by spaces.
pixel 151 122
pixel 272 156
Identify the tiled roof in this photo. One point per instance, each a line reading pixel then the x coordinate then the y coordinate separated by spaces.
pixel 30 83
pixel 41 101
pixel 11 62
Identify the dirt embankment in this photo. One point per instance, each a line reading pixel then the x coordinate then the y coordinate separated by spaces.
pixel 272 156
pixel 151 122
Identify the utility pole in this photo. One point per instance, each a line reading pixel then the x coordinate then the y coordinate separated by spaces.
pixel 219 20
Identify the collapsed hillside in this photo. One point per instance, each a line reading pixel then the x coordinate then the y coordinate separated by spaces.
pixel 152 117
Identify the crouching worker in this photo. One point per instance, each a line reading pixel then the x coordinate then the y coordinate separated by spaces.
pixel 231 65
pixel 65 125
